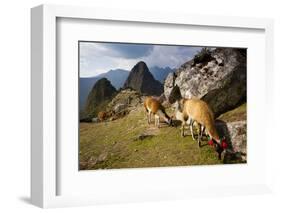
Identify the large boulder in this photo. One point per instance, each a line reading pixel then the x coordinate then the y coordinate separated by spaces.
pixel 141 80
pixel 218 77
pixel 169 84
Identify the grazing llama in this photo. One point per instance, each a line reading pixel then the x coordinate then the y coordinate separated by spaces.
pixel 153 106
pixel 186 121
pixel 103 115
pixel 200 112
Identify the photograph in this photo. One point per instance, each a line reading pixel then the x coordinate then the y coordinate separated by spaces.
pixel 161 105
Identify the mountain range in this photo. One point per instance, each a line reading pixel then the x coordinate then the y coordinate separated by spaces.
pixel 117 77
pixel 160 73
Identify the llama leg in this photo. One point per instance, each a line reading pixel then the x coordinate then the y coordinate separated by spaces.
pixel 199 130
pixel 199 136
pixel 190 123
pixel 149 117
pixel 157 118
pixel 182 130
pixel 191 130
pixel 202 130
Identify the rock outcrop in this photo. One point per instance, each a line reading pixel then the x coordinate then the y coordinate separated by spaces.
pixel 217 76
pixel 123 103
pixel 236 137
pixel 141 80
pixel 101 93
pixel 233 126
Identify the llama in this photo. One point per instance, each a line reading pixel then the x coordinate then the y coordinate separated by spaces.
pixel 186 121
pixel 199 111
pixel 153 106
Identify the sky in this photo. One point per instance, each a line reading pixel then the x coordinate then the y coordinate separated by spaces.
pixel 97 57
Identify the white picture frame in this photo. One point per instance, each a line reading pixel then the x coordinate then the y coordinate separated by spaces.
pixel 44 154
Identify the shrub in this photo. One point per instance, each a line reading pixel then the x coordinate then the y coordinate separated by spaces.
pixel 203 56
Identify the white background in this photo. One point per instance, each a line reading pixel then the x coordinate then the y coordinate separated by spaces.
pixel 15 105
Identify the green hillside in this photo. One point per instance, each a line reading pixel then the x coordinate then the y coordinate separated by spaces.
pixel 130 142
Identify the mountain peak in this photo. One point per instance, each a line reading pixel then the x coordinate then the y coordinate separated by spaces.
pixel 141 63
pixel 141 80
pixel 103 81
pixel 141 67
pixel 101 92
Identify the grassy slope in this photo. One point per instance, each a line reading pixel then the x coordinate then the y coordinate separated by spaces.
pixel 117 144
pixel 237 114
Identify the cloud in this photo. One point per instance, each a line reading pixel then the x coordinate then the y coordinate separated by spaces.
pixel 129 50
pixel 172 56
pixel 115 49
pixel 97 58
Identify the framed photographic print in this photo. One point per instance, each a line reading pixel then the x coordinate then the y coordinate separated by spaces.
pixel 130 106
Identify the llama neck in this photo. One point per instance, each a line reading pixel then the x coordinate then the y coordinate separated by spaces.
pixel 178 107
pixel 166 117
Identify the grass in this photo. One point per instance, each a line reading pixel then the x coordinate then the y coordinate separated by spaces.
pixel 237 114
pixel 117 144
